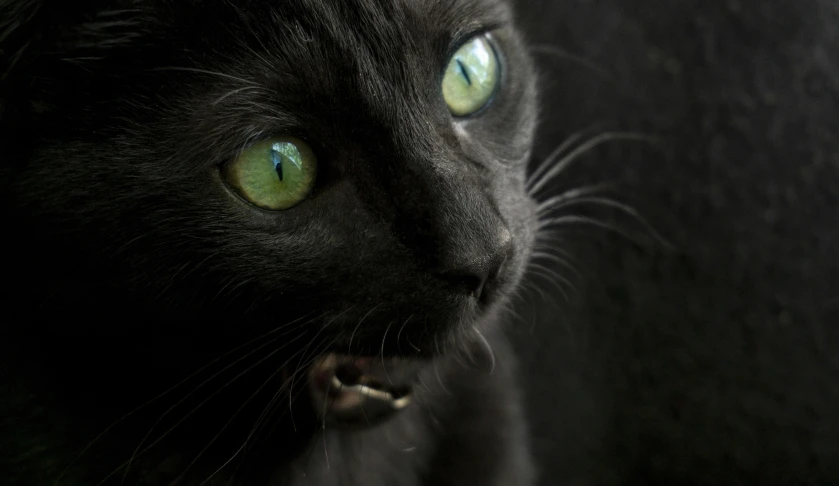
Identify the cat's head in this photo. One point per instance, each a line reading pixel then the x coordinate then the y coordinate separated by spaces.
pixel 145 142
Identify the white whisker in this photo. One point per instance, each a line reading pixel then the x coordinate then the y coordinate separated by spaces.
pixel 294 375
pixel 399 334
pixel 197 407
pixel 582 149
pixel 227 424
pixel 382 352
pixel 563 54
pixel 552 277
pixel 235 92
pixel 489 348
pixel 585 220
pixel 546 163
pixel 571 195
pixel 563 262
pixel 600 201
pixel 177 385
pixel 352 336
pixel 212 73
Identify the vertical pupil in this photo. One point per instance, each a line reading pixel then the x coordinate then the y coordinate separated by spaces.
pixel 464 72
pixel 277 159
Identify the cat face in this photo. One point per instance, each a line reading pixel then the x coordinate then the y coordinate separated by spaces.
pixel 406 222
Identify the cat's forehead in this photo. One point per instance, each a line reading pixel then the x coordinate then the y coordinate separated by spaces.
pixel 379 25
pixel 321 27
pixel 375 50
pixel 378 16
pixel 443 13
pixel 379 37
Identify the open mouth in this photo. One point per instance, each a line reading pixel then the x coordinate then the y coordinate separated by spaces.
pixel 361 391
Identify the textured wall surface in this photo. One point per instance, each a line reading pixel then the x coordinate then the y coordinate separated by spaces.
pixel 717 362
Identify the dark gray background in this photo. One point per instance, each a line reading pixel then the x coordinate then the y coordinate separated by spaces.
pixel 718 362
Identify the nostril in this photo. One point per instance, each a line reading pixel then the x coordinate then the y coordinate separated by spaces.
pixel 475 273
pixel 471 284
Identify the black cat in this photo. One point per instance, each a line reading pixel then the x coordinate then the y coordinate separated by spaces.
pixel 227 223
pixel 262 242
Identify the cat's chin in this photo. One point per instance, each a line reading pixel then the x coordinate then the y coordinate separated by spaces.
pixel 357 392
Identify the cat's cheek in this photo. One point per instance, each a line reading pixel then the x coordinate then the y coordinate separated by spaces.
pixel 523 225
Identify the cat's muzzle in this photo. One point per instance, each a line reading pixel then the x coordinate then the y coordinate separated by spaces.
pixel 361 392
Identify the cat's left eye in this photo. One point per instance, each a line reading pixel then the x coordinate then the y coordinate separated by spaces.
pixel 471 77
pixel 274 174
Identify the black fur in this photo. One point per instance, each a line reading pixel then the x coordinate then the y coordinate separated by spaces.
pixel 134 265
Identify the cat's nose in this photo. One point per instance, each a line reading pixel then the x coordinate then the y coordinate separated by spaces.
pixel 477 268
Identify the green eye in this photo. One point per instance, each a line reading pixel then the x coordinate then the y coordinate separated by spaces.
pixel 274 174
pixel 471 77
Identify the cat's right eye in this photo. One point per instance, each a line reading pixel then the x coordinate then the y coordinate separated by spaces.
pixel 274 174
